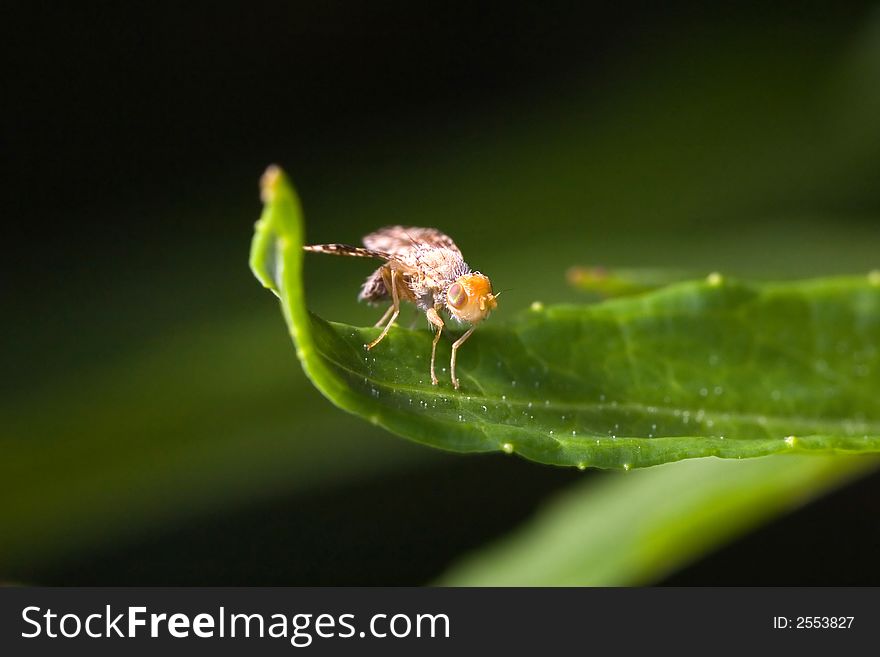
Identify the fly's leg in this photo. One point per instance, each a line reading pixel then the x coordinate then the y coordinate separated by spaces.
pixel 435 319
pixel 384 317
pixel 455 346
pixel 395 308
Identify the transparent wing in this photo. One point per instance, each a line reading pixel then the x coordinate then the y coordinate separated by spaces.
pixel 400 240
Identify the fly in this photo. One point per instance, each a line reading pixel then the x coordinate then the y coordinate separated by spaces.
pixel 424 267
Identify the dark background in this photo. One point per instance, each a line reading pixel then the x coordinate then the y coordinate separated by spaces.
pixel 133 135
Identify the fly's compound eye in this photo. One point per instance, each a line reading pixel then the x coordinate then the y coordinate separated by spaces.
pixel 456 296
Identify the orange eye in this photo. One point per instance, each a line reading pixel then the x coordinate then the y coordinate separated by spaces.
pixel 456 295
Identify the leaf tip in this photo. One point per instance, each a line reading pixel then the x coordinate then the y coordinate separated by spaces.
pixel 269 182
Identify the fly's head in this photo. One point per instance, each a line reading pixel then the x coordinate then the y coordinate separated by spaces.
pixel 470 298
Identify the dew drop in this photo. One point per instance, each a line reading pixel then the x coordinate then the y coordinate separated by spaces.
pixel 507 448
pixel 703 392
pixel 790 441
pixel 714 279
pixel 718 390
pixel 537 306
pixel 582 466
pixel 485 410
pixel 627 466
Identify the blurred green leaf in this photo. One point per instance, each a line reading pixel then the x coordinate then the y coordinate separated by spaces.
pixel 208 418
pixel 622 282
pixel 701 368
pixel 636 528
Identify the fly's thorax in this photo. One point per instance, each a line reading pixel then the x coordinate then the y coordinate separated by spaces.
pixel 469 298
pixel 439 266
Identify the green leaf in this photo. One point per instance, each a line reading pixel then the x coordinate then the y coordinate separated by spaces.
pixel 701 368
pixel 634 529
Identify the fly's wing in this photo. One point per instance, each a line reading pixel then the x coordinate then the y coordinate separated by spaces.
pixel 348 250
pixel 394 245
pixel 400 240
pixel 394 259
pixel 373 289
